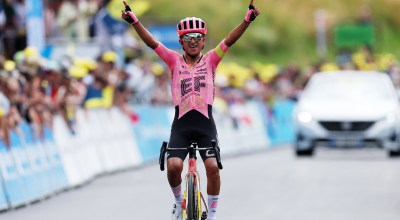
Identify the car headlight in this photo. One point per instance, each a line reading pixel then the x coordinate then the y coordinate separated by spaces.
pixel 390 117
pixel 304 117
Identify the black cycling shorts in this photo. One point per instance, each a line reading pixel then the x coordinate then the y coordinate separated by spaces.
pixel 192 126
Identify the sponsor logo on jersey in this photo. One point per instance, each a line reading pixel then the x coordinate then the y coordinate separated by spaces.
pixel 186 86
pixel 198 84
pixel 213 77
pixel 200 65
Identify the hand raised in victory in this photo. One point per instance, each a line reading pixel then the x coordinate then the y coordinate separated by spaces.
pixel 128 15
pixel 252 12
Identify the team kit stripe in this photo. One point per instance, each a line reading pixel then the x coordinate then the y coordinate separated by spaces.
pixel 219 51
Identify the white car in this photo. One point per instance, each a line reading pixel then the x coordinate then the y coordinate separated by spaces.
pixel 348 109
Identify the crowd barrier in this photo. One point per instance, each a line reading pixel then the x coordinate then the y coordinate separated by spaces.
pixel 106 140
pixel 31 170
pixel 280 123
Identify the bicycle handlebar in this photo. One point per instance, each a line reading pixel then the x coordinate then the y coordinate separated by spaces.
pixel 164 150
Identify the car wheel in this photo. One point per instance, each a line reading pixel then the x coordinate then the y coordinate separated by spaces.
pixel 394 153
pixel 305 153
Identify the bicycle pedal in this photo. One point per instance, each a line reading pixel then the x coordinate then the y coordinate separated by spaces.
pixel 204 215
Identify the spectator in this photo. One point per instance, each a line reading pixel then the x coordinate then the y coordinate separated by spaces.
pixel 365 15
pixel 2 26
pixel 49 15
pixel 34 89
pixel 15 27
pixel 254 88
pixel 94 96
pixel 73 18
pixel 20 22
pixel 4 128
pixel 161 92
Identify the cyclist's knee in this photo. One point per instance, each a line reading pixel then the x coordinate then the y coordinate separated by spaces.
pixel 212 170
pixel 175 166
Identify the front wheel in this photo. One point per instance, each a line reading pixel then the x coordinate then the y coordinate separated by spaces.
pixel 192 210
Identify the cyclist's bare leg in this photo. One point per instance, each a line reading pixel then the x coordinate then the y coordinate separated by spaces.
pixel 213 186
pixel 174 171
pixel 213 179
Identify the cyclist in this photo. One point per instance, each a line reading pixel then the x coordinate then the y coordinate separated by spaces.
pixel 193 90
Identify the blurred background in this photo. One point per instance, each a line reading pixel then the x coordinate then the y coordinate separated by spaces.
pixel 74 76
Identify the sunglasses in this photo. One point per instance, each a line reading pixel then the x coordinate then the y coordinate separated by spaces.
pixel 196 36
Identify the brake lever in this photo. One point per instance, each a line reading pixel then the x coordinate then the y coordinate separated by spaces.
pixel 217 153
pixel 162 155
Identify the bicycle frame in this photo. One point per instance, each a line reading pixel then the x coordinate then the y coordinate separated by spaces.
pixel 192 170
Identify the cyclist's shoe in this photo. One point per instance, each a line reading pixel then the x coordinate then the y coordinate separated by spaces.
pixel 177 212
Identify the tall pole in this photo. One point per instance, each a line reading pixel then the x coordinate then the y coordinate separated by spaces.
pixel 35 24
pixel 320 26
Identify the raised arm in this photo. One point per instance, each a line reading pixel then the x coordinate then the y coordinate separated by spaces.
pixel 143 33
pixel 236 33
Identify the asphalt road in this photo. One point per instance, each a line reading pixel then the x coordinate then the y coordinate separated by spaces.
pixel 332 185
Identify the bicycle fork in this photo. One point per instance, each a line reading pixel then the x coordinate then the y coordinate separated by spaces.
pixel 193 170
pixel 198 194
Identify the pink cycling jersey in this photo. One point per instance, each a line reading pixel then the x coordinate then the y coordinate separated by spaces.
pixel 192 88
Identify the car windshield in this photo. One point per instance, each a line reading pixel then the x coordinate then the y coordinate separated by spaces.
pixel 348 89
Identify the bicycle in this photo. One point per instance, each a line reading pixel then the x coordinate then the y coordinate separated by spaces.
pixel 192 193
